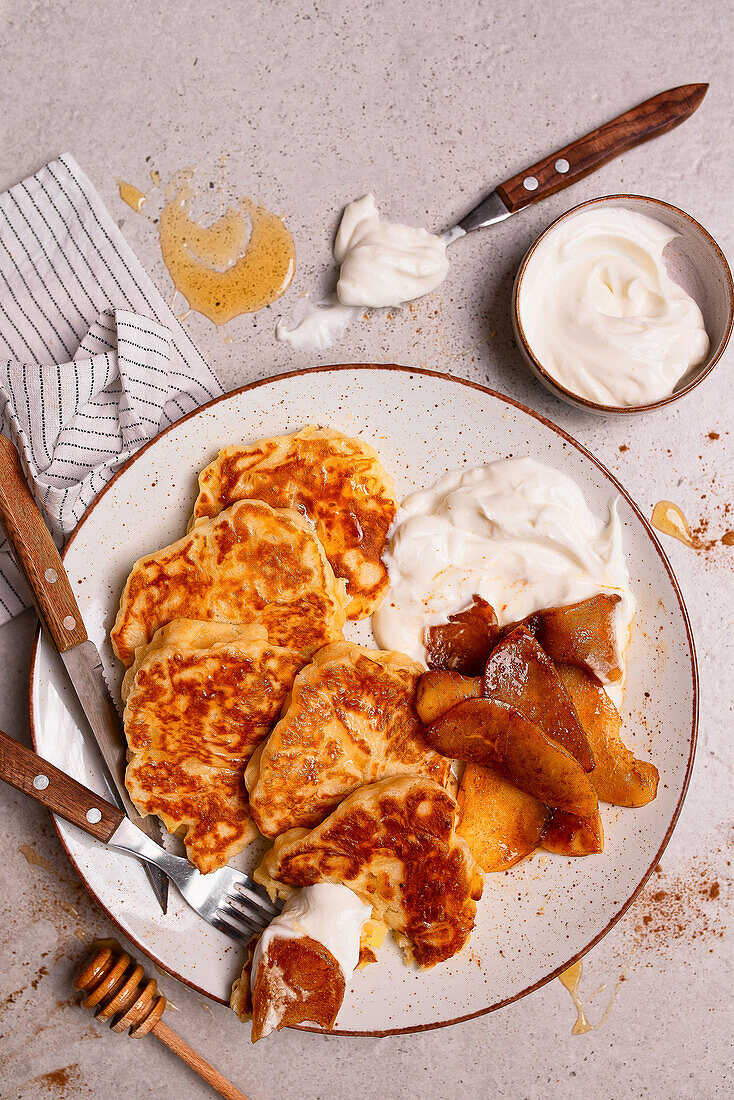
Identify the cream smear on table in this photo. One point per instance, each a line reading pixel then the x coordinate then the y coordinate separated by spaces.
pixel 517 533
pixel 601 313
pixel 382 264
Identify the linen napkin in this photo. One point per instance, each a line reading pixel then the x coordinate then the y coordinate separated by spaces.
pixel 93 362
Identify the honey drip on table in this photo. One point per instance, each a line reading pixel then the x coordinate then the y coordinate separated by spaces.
pixel 219 271
pixel 570 980
pixel 132 195
pixel 669 519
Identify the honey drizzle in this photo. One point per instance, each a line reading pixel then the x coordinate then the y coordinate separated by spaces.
pixel 216 268
pixel 132 195
pixel 668 518
pixel 570 979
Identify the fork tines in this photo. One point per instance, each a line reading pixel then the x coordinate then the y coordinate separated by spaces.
pixel 254 898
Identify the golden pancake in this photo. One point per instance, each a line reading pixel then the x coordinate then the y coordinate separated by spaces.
pixel 299 981
pixel 393 843
pixel 338 482
pixel 252 564
pixel 350 720
pixel 198 700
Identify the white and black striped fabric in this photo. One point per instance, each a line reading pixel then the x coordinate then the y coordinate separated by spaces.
pixel 92 361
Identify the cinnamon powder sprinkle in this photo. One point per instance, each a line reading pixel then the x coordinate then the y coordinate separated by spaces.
pixel 681 907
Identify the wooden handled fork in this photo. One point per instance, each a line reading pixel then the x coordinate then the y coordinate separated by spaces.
pixel 227 899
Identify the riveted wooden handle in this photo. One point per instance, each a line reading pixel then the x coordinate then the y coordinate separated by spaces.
pixel 32 775
pixel 581 158
pixel 36 554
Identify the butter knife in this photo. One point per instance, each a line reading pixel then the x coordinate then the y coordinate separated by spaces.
pixel 582 157
pixel 39 562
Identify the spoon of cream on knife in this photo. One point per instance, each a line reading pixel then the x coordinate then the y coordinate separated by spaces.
pixel 386 264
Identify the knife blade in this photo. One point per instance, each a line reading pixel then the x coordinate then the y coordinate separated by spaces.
pixel 38 559
pixel 582 157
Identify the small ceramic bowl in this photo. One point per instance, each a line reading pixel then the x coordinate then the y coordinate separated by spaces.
pixel 694 260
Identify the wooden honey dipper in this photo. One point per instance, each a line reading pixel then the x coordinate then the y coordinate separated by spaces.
pixel 116 987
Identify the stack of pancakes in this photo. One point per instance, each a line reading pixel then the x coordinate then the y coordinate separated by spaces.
pixel 246 710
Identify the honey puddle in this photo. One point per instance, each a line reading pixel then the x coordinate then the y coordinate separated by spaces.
pixel 669 519
pixel 570 979
pixel 132 195
pixel 222 270
pixel 32 857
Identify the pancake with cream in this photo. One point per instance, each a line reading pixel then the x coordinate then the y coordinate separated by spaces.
pixel 251 564
pixel 198 700
pixel 337 482
pixel 303 961
pixel 394 843
pixel 350 720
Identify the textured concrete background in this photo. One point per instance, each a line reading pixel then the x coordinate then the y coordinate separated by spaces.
pixel 427 104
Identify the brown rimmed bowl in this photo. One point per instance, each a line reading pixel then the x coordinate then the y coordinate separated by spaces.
pixel 694 260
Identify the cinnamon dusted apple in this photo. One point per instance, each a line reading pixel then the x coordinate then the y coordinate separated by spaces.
pixel 618 777
pixel 582 634
pixel 520 674
pixel 438 692
pixel 569 835
pixel 500 823
pixel 464 643
pixel 491 732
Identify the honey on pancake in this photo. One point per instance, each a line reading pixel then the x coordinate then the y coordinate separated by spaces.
pixel 669 519
pixel 222 269
pixel 132 195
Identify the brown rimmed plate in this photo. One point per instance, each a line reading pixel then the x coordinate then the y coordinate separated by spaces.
pixel 540 916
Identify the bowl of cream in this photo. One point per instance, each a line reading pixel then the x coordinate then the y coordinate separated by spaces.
pixel 623 304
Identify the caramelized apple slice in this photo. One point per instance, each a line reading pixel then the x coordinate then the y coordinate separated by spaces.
pixel 618 777
pixel 465 641
pixel 583 634
pixel 500 823
pixel 489 732
pixel 569 835
pixel 438 692
pixel 520 674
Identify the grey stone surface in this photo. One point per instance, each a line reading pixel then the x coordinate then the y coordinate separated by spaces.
pixel 427 104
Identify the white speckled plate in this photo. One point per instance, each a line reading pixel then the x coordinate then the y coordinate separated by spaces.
pixel 534 920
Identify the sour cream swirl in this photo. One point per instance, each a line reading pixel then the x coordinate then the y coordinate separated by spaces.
pixel 517 533
pixel 601 313
pixel 329 913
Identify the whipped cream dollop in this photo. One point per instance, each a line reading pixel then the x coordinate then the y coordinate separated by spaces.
pixel 517 533
pixel 601 313
pixel 329 913
pixel 382 264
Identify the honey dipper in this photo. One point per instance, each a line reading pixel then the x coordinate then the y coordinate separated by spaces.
pixel 116 987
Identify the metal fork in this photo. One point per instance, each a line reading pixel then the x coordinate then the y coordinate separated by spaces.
pixel 227 899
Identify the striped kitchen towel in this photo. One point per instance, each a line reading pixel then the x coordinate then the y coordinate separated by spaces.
pixel 92 361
